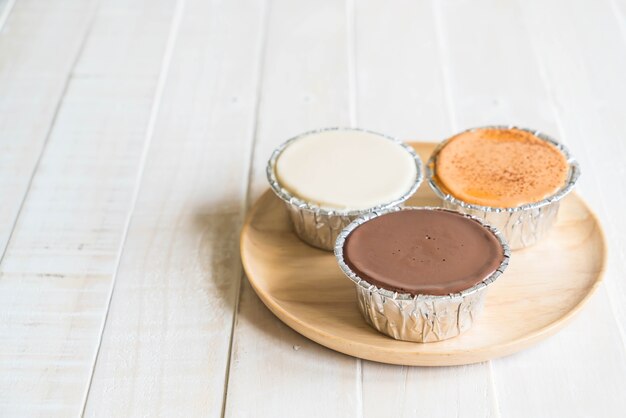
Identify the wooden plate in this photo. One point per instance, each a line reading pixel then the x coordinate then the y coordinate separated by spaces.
pixel 543 288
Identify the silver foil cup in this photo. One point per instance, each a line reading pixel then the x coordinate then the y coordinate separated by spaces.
pixel 418 318
pixel 524 225
pixel 319 226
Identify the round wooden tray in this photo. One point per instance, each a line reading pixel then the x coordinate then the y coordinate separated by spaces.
pixel 544 286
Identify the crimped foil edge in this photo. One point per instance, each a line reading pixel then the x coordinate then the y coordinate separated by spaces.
pixel 341 238
pixel 573 175
pixel 287 197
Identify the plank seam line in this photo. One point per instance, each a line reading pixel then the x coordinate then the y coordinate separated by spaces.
pixel 359 388
pixel 552 101
pixel 351 55
pixel 622 28
pixel 150 127
pixel 494 389
pixel 618 13
pixel 353 111
pixel 5 14
pixel 444 63
pixel 55 115
pixel 260 59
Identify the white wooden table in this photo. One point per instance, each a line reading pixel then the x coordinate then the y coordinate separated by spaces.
pixel 134 136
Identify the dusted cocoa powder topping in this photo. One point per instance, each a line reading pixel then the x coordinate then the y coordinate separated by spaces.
pixel 421 251
pixel 500 167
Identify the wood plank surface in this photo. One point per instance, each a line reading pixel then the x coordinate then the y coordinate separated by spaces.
pixel 582 71
pixel 489 85
pixel 33 79
pixel 583 369
pixel 134 136
pixel 305 85
pixel 166 342
pixel 6 6
pixel 61 258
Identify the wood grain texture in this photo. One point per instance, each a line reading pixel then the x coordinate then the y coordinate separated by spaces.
pixel 402 94
pixel 586 105
pixel 275 371
pixel 165 346
pixel 410 391
pixel 60 261
pixel 579 70
pixel 32 81
pixel 411 69
pixel 6 6
pixel 489 84
pixel 306 290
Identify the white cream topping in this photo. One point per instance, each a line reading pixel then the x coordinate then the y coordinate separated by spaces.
pixel 346 169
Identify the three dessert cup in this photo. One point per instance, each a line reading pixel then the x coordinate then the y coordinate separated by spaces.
pixel 421 274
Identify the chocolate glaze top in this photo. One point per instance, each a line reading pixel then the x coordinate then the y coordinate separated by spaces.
pixel 422 251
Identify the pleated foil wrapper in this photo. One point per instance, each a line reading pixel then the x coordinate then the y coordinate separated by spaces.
pixel 524 225
pixel 418 318
pixel 319 226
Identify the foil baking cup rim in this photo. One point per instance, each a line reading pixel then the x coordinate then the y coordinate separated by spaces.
pixel 302 204
pixel 345 232
pixel 572 178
